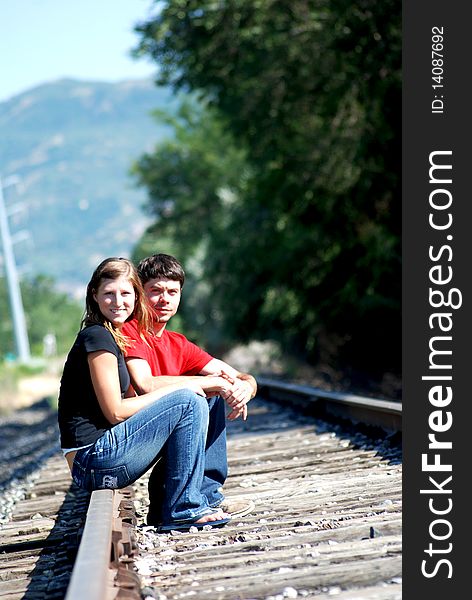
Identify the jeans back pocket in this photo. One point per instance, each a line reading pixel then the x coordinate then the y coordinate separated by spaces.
pixel 114 478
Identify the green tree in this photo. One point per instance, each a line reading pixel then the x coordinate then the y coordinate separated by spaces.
pixel 46 310
pixel 192 180
pixel 191 177
pixel 50 311
pixel 311 90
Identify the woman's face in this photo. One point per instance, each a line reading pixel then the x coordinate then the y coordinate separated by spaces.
pixel 115 299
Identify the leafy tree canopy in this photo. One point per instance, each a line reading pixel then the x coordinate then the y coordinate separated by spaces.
pixel 308 95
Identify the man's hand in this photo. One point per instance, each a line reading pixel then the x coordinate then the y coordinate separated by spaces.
pixel 242 412
pixel 237 397
pixel 243 386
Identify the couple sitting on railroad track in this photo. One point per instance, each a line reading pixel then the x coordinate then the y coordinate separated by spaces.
pixel 135 396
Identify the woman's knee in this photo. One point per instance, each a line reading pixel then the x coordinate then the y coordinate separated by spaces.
pixel 183 402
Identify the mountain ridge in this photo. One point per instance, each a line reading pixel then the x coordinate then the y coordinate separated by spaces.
pixel 71 143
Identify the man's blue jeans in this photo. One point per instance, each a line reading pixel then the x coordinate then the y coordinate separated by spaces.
pixel 215 469
pixel 174 427
pixel 216 459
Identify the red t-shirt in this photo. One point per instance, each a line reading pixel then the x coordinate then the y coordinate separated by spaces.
pixel 170 354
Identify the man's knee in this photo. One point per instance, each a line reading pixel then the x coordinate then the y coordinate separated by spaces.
pixel 216 403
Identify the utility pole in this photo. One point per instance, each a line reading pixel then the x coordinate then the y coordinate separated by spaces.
pixel 18 314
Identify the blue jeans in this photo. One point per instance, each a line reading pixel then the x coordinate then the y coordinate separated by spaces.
pixel 216 460
pixel 174 427
pixel 215 469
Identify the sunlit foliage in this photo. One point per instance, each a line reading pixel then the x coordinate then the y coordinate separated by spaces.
pixel 295 206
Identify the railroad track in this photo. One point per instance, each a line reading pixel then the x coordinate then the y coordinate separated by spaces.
pixel 326 522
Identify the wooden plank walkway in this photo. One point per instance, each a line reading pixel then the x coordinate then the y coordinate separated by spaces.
pixel 327 521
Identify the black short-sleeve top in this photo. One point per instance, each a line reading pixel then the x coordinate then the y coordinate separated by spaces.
pixel 81 421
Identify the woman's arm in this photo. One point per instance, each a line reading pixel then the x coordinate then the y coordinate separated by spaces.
pixel 219 366
pixel 144 382
pixel 104 372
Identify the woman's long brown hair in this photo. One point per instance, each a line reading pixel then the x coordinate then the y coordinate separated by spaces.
pixel 113 268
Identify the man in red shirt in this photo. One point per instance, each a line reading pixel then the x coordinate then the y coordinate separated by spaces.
pixel 167 357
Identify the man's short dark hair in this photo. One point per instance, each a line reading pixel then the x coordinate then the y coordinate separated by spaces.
pixel 161 266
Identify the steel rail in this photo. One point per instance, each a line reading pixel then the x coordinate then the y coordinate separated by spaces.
pixel 358 409
pixel 106 549
pixel 93 558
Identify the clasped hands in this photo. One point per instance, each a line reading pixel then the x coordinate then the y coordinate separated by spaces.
pixel 236 392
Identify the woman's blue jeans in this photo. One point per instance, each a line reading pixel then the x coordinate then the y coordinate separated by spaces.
pixel 174 427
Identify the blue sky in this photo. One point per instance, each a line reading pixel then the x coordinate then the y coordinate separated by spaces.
pixel 45 40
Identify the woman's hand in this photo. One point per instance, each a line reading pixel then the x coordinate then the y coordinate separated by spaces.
pixel 218 384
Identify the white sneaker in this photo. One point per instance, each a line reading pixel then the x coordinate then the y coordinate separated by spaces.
pixel 235 507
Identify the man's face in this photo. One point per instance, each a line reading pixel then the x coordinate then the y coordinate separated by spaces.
pixel 164 297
